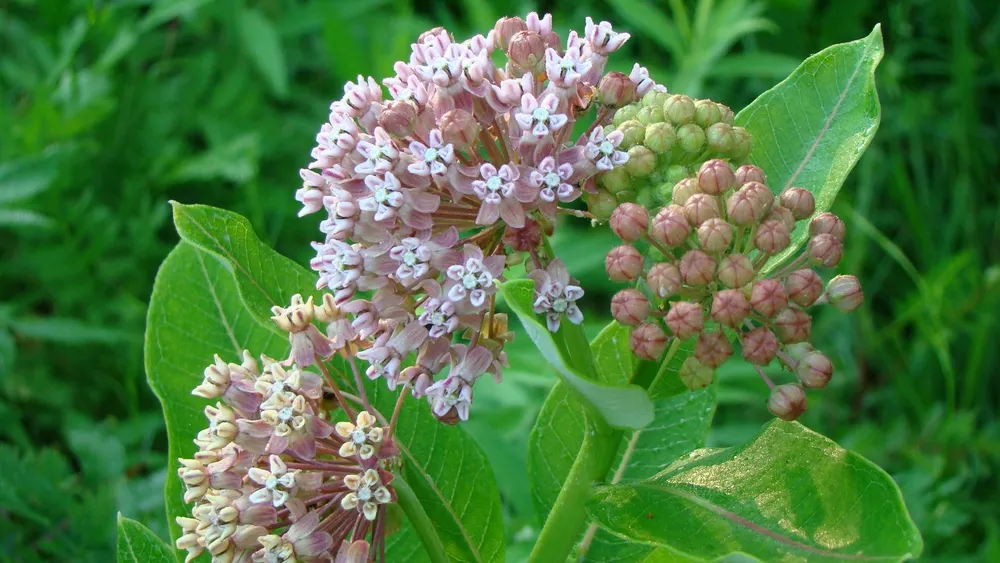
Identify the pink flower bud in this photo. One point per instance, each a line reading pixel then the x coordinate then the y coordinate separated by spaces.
pixel 697 268
pixel 825 250
pixel 526 51
pixel 695 374
pixel 679 109
pixel 664 280
pixel 793 325
pixel 715 235
pixel 713 349
pixel 763 199
pixel 768 297
pixel 648 341
pixel 629 307
pixel 735 270
pixel 616 90
pixel 716 177
pixel 827 223
pixel 684 189
pixel 641 161
pixel 787 402
pixel 685 319
pixel 700 208
pixel 459 128
pixel 749 173
pixel 844 293
pixel 803 287
pixel 760 346
pixel 814 370
pixel 398 117
pixel 730 307
pixel 630 221
pixel 742 208
pixel 623 263
pixel 670 226
pixel 772 237
pixel 800 201
pixel 783 214
pixel 505 29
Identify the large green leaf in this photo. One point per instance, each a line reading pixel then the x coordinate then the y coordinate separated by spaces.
pixel 138 544
pixel 265 277
pixel 789 494
pixel 622 405
pixel 810 130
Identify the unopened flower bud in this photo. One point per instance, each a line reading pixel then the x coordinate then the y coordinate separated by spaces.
pixel 616 180
pixel 630 221
pixel 720 138
pixel 726 114
pixel 690 138
pixel 803 287
pixel 679 109
pixel 655 98
pixel 505 29
pixel 825 250
pixel 716 177
pixel 742 208
pixel 398 117
pixel 706 112
pixel 772 237
pixel 783 214
pixel 760 346
pixel 623 263
pixel 800 201
pixel 795 352
pixel 459 128
pixel 685 319
pixel 787 402
pixel 697 268
pixel 695 374
pixel 664 280
pixel 684 189
pixel 601 203
pixel 713 349
pixel 700 208
pixel 648 341
pixel 768 297
pixel 749 173
pixel 641 161
pixel 715 235
pixel 730 307
pixel 735 270
pixel 616 90
pixel 629 307
pixel 670 226
pixel 633 133
pixel 814 370
pixel 742 144
pixel 524 239
pixel 763 198
pixel 650 115
pixel 626 113
pixel 660 137
pixel 844 293
pixel 793 325
pixel 827 223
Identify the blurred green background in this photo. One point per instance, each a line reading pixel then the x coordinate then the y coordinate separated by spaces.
pixel 111 108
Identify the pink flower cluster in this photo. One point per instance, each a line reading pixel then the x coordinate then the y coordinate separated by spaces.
pixel 429 189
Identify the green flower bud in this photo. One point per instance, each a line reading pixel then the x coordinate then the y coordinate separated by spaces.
pixel 679 109
pixel 676 173
pixel 654 98
pixel 727 115
pixel 691 139
pixel 615 180
pixel 720 138
pixel 796 352
pixel 706 112
pixel 641 161
pixel 650 115
pixel 741 144
pixel 694 374
pixel 601 203
pixel 660 137
pixel 625 114
pixel 634 132
pixel 626 195
pixel 646 198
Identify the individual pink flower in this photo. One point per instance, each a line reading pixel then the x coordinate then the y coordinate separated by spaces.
pixel 565 70
pixel 385 197
pixel 640 77
pixel 473 278
pixel 380 154
pixel 300 543
pixel 603 150
pixel 455 391
pixel 432 159
pixel 551 180
pixel 556 295
pixel 602 39
pixel 539 117
pixel 502 195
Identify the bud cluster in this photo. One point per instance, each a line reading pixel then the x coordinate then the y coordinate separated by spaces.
pixel 701 277
pixel 666 138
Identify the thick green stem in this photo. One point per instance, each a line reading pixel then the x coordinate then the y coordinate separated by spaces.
pixel 420 521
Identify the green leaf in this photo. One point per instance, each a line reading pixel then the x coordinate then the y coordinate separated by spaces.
pixel 137 544
pixel 263 46
pixel 18 218
pixel 265 277
pixel 28 176
pixel 625 406
pixel 789 494
pixel 810 130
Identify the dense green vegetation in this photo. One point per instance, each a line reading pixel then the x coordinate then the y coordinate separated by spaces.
pixel 110 109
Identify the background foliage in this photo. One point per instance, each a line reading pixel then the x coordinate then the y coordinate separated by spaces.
pixel 109 109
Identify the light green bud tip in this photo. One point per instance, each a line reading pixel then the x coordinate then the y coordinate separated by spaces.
pixel 615 180
pixel 679 109
pixel 706 112
pixel 720 139
pixel 695 374
pixel 624 114
pixel 601 204
pixel 654 99
pixel 634 133
pixel 691 138
pixel 660 137
pixel 742 144
pixel 641 161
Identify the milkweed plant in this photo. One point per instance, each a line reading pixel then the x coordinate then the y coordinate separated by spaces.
pixel 315 411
